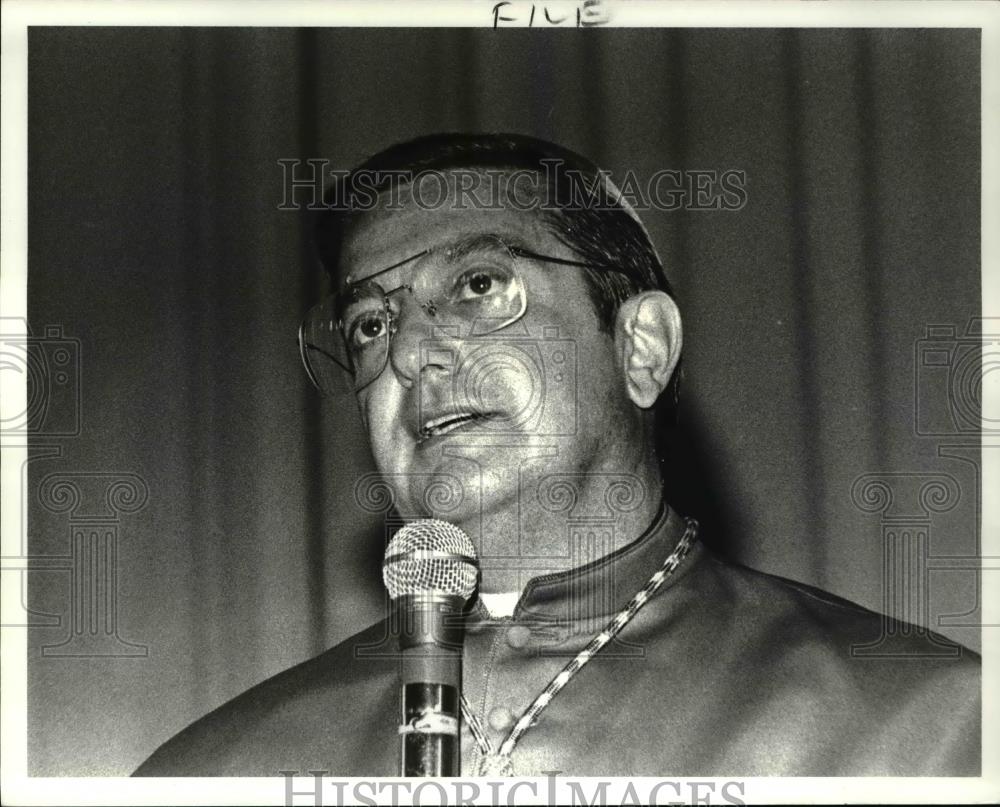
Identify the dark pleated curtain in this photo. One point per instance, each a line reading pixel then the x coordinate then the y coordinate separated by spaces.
pixel 157 242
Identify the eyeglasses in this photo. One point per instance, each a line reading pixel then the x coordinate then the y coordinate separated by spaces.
pixel 470 288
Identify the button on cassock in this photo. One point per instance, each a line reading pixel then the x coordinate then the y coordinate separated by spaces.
pixel 518 636
pixel 500 718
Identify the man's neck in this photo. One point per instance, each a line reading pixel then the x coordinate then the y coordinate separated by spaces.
pixel 573 521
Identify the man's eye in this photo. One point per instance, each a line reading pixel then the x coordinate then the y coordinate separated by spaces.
pixel 480 282
pixel 366 329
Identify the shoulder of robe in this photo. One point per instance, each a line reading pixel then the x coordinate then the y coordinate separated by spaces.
pixel 312 697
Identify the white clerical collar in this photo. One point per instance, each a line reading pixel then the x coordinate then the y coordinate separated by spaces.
pixel 500 605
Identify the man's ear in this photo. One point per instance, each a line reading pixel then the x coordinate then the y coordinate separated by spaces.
pixel 648 341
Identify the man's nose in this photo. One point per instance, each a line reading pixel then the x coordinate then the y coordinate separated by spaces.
pixel 412 349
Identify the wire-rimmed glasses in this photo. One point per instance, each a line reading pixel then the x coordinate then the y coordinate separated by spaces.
pixel 470 288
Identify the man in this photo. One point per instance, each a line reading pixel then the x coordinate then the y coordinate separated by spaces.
pixel 514 348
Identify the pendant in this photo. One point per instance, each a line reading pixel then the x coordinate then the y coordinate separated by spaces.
pixel 495 765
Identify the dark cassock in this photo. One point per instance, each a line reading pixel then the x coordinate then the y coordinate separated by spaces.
pixel 722 671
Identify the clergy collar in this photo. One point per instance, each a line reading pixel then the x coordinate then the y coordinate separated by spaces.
pixel 599 589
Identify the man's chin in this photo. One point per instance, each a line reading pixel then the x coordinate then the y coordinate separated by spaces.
pixel 457 489
pixel 448 488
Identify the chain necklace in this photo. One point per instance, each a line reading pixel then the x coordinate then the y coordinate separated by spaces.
pixel 498 762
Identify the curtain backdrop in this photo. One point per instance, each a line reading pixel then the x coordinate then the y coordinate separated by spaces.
pixel 157 244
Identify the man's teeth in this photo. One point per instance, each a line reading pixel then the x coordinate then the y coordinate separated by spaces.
pixel 446 424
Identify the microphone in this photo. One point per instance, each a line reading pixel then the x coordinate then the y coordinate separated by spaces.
pixel 431 570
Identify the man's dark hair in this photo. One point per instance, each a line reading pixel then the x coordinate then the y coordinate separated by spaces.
pixel 578 206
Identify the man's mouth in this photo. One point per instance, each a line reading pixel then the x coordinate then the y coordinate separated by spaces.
pixel 436 427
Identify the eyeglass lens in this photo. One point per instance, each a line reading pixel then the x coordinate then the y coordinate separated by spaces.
pixel 472 288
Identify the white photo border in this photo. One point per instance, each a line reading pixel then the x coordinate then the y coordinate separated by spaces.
pixel 18 15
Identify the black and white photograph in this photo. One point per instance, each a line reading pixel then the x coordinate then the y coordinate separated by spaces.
pixel 596 399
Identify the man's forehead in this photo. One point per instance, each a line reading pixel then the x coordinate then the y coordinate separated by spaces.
pixel 399 228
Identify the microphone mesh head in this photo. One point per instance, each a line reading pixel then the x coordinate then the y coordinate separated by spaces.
pixel 430 556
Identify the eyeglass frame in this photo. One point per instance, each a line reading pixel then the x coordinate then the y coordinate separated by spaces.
pixel 515 251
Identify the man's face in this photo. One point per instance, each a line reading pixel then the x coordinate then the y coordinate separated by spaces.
pixel 488 412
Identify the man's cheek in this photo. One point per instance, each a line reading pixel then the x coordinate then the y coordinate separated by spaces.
pixel 365 410
pixel 383 439
pixel 507 383
pixel 380 413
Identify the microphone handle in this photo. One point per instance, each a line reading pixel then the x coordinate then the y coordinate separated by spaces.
pixel 430 687
pixel 429 739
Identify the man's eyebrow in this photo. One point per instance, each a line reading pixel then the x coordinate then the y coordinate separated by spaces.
pixel 455 250
pixel 349 282
pixel 479 242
